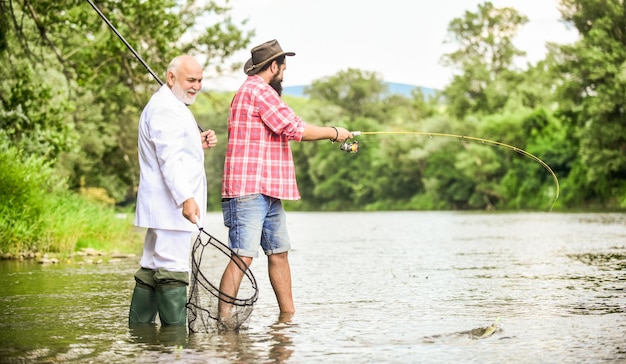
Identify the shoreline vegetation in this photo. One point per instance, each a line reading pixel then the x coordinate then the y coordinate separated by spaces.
pixel 41 219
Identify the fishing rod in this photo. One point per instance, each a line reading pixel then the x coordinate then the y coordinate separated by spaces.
pixel 132 50
pixel 353 147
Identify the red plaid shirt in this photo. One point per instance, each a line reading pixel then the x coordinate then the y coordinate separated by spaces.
pixel 258 156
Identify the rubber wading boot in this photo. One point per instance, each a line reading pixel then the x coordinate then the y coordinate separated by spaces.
pixel 171 294
pixel 143 305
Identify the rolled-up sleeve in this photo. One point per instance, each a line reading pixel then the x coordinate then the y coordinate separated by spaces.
pixel 279 117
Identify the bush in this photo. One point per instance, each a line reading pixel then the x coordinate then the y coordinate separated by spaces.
pixel 38 213
pixel 25 183
pixel 73 222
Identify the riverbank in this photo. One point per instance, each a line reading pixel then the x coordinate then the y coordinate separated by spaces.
pixel 83 256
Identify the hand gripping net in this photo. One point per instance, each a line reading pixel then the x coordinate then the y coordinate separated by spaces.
pixel 207 266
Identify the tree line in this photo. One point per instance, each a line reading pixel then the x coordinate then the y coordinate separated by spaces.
pixel 72 93
pixel 568 110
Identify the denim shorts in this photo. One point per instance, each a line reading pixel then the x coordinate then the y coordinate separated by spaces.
pixel 256 220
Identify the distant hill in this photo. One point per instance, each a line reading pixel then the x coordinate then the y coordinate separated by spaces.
pixel 392 88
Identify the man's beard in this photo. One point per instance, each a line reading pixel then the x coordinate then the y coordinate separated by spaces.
pixel 277 84
pixel 182 95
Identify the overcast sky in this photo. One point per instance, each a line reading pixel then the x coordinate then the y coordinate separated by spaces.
pixel 403 40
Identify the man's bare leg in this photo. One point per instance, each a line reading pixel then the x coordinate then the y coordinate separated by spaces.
pixel 229 285
pixel 280 278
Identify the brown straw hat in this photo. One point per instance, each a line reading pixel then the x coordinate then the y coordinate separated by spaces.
pixel 262 54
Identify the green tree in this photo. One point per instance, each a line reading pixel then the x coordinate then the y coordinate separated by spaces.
pixel 484 59
pixel 89 88
pixel 383 174
pixel 593 95
pixel 358 92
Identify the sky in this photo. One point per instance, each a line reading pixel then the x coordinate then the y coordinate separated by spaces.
pixel 402 40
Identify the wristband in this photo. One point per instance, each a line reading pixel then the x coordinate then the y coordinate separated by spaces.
pixel 336 136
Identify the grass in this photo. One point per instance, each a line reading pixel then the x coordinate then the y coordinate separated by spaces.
pixel 38 214
pixel 75 222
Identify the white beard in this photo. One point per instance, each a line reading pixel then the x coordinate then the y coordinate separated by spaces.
pixel 182 95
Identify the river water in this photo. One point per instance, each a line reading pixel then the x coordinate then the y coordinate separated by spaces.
pixel 379 287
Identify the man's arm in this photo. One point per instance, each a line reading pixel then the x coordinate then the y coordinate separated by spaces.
pixel 336 134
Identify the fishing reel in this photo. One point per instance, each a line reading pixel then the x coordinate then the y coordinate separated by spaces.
pixel 351 147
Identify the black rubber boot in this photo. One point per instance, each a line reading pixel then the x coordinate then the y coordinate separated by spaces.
pixel 171 296
pixel 143 305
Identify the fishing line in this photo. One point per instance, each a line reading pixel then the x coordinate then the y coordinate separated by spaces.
pixel 353 148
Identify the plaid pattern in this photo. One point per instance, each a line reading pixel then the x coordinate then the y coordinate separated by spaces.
pixel 258 155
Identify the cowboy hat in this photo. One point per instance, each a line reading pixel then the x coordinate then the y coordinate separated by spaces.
pixel 262 54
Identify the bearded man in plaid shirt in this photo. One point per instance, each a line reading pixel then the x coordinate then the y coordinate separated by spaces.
pixel 259 172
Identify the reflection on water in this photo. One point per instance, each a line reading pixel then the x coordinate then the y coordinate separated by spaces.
pixel 157 336
pixel 282 346
pixel 369 287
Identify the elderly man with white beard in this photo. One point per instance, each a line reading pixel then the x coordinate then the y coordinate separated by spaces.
pixel 172 195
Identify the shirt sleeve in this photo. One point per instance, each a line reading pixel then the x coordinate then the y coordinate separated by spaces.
pixel 279 117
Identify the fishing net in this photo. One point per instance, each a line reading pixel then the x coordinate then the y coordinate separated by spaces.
pixel 207 266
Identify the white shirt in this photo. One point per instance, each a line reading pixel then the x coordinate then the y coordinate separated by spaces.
pixel 171 161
